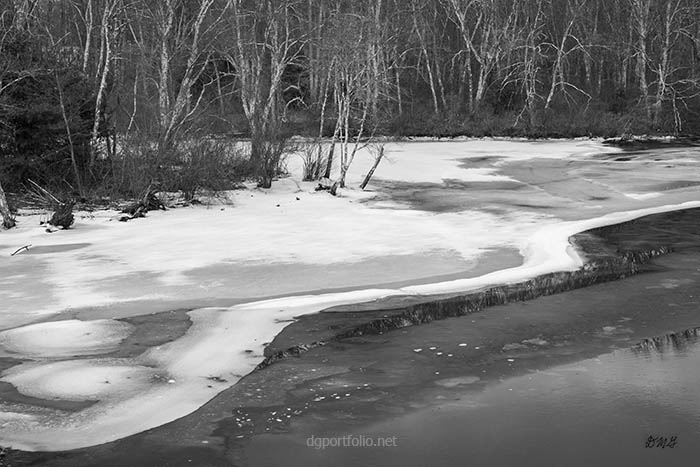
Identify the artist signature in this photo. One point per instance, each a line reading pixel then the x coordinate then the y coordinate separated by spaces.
pixel 661 442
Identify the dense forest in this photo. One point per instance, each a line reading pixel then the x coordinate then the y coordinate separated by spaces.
pixel 105 97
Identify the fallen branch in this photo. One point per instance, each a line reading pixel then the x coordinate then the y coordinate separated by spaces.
pixel 149 201
pixel 25 247
pixel 62 210
pixel 47 196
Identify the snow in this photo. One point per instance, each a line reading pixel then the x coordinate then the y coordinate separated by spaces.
pixel 549 251
pixel 78 380
pixel 317 230
pixel 65 338
pixel 642 196
pixel 103 268
pixel 134 395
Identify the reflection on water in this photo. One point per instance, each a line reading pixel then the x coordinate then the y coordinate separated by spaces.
pixel 600 411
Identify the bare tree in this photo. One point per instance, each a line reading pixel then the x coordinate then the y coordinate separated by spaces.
pixel 671 30
pixel 265 41
pixel 573 9
pixel 175 41
pixel 354 72
pixel 109 28
pixel 525 67
pixel 485 27
pixel 377 151
pixel 641 10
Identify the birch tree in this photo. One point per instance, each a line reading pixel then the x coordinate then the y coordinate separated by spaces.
pixel 109 28
pixel 264 41
pixel 670 32
pixel 485 26
pixel 356 75
pixel 558 81
pixel 183 41
pixel 641 10
pixel 524 71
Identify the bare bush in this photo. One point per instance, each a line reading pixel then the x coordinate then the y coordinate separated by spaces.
pixel 62 208
pixel 210 164
pixel 267 155
pixel 314 160
pixel 189 168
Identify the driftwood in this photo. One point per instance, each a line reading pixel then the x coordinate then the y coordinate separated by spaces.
pixel 324 184
pixel 148 202
pixel 63 215
pixel 25 247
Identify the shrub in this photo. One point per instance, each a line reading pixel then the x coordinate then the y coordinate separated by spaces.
pixel 314 159
pixel 189 168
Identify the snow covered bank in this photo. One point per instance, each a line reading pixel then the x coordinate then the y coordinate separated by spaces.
pixel 221 251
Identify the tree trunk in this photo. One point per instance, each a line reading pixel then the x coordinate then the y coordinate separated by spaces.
pixel 398 92
pixel 343 174
pixel 329 160
pixel 371 171
pixel 69 134
pixel 640 13
pixel 88 35
pixel 8 221
pixel 663 70
pixel 331 150
pixel 101 90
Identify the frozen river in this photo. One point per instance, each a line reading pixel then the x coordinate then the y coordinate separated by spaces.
pixel 438 217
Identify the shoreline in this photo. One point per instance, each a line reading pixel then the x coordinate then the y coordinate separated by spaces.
pixel 602 265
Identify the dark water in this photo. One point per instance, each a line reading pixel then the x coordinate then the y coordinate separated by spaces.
pixel 600 411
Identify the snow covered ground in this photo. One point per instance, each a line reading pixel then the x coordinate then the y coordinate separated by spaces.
pixel 434 209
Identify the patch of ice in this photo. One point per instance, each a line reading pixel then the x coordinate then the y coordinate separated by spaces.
pixel 133 395
pixel 536 341
pixel 65 338
pixel 457 381
pixel 642 196
pixel 78 380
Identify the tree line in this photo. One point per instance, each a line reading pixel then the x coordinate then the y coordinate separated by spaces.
pixel 112 93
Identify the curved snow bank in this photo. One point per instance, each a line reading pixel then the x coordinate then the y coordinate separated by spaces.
pixel 222 345
pixel 548 250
